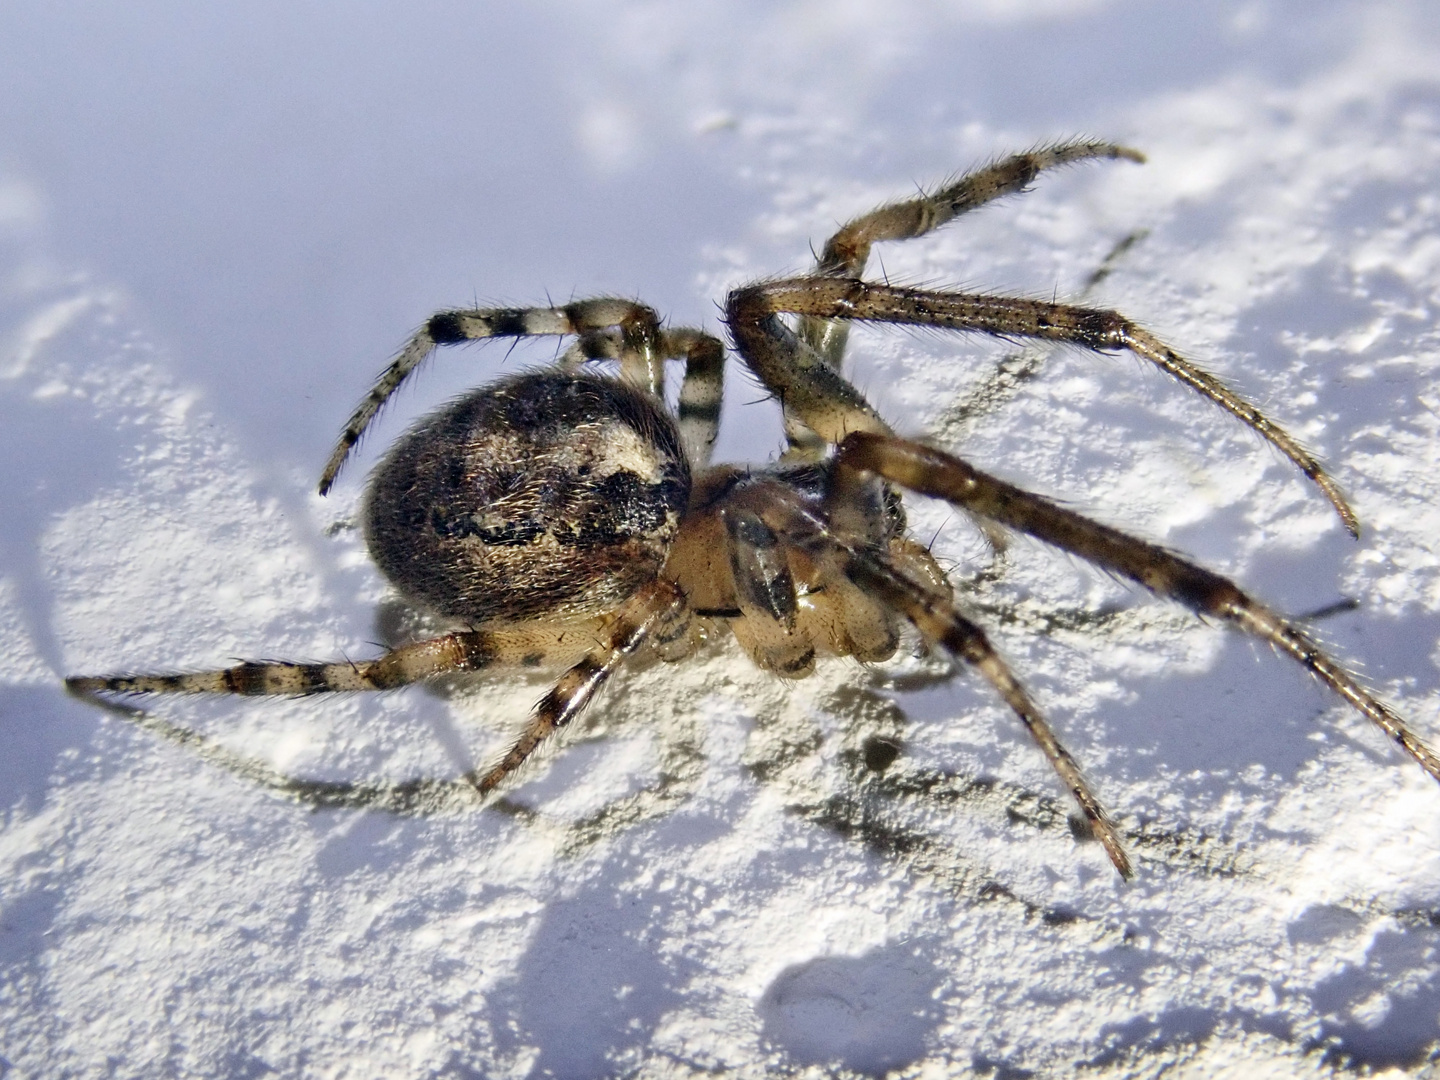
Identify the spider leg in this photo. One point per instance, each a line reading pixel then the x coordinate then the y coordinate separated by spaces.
pixel 657 611
pixel 1015 369
pixel 468 651
pixel 638 325
pixel 465 651
pixel 848 250
pixel 846 253
pixel 701 391
pixel 934 614
pixel 933 472
pixel 833 408
pixel 937 618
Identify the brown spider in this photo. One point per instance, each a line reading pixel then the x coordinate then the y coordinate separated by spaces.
pixel 563 516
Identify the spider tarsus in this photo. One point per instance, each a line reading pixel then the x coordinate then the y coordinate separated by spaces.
pixel 348 439
pixel 1348 517
pixel 1109 838
pixel 1266 624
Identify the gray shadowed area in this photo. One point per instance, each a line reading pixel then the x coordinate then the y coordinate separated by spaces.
pixel 870 1013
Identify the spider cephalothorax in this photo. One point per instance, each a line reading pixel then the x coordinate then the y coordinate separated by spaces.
pixel 568 517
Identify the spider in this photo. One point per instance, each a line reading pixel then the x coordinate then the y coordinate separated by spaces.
pixel 562 515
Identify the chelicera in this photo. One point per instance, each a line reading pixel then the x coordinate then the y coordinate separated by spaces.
pixel 567 516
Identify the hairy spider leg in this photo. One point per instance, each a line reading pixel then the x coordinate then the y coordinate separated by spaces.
pixel 933 472
pixel 470 650
pixel 833 408
pixel 806 384
pixel 657 611
pixel 848 250
pixel 641 351
pixel 701 390
pixel 1015 369
pixel 526 646
pixel 465 651
pixel 933 613
pixel 1005 379
pixel 638 324
pixel 937 618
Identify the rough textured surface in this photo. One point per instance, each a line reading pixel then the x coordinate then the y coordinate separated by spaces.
pixel 213 228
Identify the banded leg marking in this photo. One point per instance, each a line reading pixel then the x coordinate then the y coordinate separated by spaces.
pixel 846 253
pixel 657 612
pixel 468 651
pixel 638 325
pixel 701 391
pixel 848 250
pixel 788 367
pixel 935 473
pixel 656 607
pixel 933 613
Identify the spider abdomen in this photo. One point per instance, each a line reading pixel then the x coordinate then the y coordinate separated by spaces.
pixel 546 494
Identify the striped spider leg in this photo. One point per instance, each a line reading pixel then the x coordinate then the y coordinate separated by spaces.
pixel 605 328
pixel 867 449
pixel 656 614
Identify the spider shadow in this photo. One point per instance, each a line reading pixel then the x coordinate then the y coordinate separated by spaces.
pixel 592 988
pixel 1399 969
